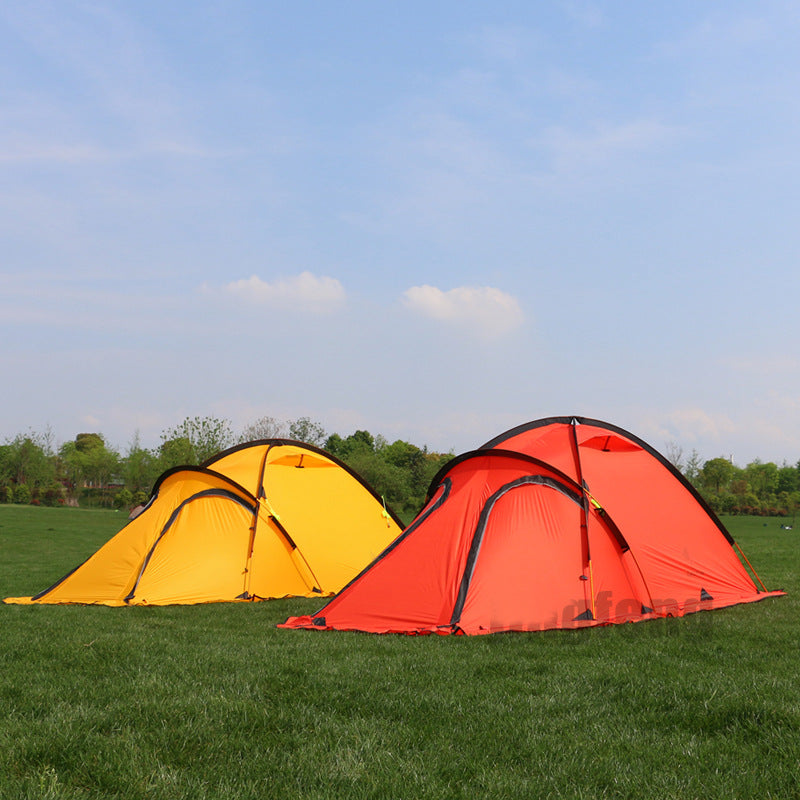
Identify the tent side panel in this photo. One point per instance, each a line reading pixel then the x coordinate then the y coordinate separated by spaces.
pixel 201 558
pixel 110 574
pixel 277 567
pixel 678 546
pixel 338 533
pixel 619 594
pixel 681 547
pixel 528 572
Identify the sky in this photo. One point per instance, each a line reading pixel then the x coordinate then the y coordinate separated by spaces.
pixel 431 220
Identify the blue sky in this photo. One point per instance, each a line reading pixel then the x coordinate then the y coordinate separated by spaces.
pixel 432 220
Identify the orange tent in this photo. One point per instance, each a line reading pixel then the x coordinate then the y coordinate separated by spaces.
pixel 561 523
pixel 272 518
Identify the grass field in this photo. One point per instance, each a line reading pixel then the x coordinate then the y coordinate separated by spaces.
pixel 215 702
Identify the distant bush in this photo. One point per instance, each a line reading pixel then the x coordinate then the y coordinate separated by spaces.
pixel 52 495
pixel 123 499
pixel 22 494
pixel 90 497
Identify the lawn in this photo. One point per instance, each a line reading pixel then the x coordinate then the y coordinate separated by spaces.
pixel 215 702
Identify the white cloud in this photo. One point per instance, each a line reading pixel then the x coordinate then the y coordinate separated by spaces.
pixel 304 291
pixel 486 311
pixel 770 368
pixel 689 427
pixel 587 15
pixel 723 35
pixel 695 423
pixel 606 141
pixel 32 152
pixel 503 43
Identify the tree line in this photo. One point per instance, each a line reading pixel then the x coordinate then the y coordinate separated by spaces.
pixel 88 471
pixel 762 488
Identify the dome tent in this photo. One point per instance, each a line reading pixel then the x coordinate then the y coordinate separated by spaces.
pixel 271 518
pixel 561 523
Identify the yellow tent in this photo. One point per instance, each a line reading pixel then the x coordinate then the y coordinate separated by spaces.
pixel 273 518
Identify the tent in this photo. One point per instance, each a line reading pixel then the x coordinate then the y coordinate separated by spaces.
pixel 561 523
pixel 272 518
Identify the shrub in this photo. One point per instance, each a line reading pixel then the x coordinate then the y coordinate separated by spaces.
pixel 22 494
pixel 123 499
pixel 726 503
pixel 52 496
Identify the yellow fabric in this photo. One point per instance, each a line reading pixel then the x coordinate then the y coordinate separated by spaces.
pixel 278 520
pixel 337 546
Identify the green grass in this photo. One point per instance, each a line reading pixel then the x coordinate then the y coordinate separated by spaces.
pixel 215 702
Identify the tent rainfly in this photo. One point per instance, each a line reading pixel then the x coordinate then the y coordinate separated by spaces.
pixel 564 522
pixel 272 518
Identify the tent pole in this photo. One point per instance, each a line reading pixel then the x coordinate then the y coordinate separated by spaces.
pixel 752 569
pixel 584 513
pixel 251 545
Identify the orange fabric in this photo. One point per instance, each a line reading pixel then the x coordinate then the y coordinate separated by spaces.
pixel 676 541
pixel 509 540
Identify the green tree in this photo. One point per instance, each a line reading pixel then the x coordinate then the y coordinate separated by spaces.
pixel 139 467
pixel 400 472
pixel 716 473
pixel 26 460
pixel 71 468
pixel 123 499
pixel 334 444
pixel 85 442
pixel 22 494
pixel 6 469
pixel 792 503
pixel 90 465
pixel 788 479
pixel 359 443
pixel 387 480
pixel 692 467
pixel 100 465
pixel 750 504
pixel 177 452
pixel 738 484
pixel 763 478
pixel 416 464
pixel 308 431
pixel 194 441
